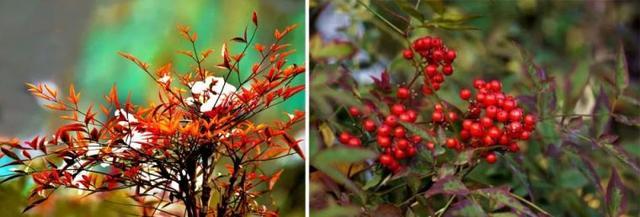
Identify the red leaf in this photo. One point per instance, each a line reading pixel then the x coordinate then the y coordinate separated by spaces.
pixel 254 18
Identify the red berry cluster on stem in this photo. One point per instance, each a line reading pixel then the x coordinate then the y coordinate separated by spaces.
pixel 397 144
pixel 435 61
pixel 493 119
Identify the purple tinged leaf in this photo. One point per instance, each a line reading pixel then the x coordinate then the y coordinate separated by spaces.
pixel 575 123
pixel 448 185
pixel 387 210
pixel 622 72
pixel 615 198
pixel 466 208
pixel 503 196
pixel 529 102
pixel 634 122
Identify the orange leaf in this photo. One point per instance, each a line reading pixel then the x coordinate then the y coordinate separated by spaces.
pixel 274 179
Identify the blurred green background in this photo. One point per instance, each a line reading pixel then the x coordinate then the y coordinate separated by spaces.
pixel 76 41
pixel 575 42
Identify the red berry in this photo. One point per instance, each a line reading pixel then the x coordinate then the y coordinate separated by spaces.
pixel 524 135
pixel 491 158
pixel 437 55
pixel 447 69
pixel 426 90
pixel 488 141
pixel 431 146
pixel 413 115
pixel 486 122
pixel 407 54
pixel 465 94
pixel 385 159
pixel 513 147
pixel 480 97
pixel 354 142
pixel 411 151
pixel 436 42
pixel 399 132
pixel 529 120
pixel 452 143
pixel 490 99
pixel 416 139
pixel 402 144
pixel 384 141
pixel 391 120
pixel 466 124
pixel 476 130
pixel 403 93
pixel 344 137
pixel 504 140
pixel 515 127
pixel 494 133
pixel 502 116
pixel 404 117
pixel 384 130
pixel 464 135
pixel 354 111
pixel 491 111
pixel 437 79
pixel 509 104
pixel 515 115
pixel 437 117
pixel 477 83
pixel 399 154
pixel 450 56
pixel 437 107
pixel 369 125
pixel 431 70
pixel 495 85
pixel 397 109
pixel 452 116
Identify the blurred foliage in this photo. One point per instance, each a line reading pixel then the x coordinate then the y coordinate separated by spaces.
pixel 573 63
pixel 147 28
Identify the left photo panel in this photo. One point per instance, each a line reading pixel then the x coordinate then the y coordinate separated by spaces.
pixel 152 108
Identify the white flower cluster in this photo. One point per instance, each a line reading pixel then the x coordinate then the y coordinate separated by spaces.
pixel 211 93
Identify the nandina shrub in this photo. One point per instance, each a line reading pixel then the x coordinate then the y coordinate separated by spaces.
pixel 196 146
pixel 400 128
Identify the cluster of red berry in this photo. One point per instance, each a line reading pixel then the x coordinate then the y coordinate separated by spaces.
pixel 492 119
pixel 395 141
pixel 434 55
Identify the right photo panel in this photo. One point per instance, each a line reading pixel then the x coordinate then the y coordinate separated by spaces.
pixel 474 108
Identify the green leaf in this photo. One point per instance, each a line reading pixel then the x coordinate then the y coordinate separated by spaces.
pixel 414 182
pixel 572 179
pixel 325 160
pixel 436 5
pixel 377 177
pixel 464 157
pixel 447 185
pixel 622 73
pixel 503 196
pixel 409 8
pixel 328 137
pixel 321 50
pixel 466 208
pixel 622 156
pixel 615 195
pixel 417 131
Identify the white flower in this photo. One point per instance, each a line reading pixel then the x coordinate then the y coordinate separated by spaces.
pixel 136 138
pixel 164 79
pixel 216 90
pixel 93 149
